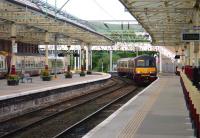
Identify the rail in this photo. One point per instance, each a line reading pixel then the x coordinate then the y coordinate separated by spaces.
pixel 89 117
pixel 64 108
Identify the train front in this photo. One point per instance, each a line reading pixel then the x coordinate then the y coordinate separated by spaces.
pixel 145 69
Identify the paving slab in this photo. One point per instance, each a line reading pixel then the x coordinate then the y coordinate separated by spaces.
pixel 159 111
pixel 38 85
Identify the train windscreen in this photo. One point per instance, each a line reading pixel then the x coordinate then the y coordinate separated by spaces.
pixel 145 63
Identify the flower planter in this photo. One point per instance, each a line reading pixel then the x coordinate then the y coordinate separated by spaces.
pixel 89 72
pixel 12 82
pixel 82 74
pixel 46 78
pixel 68 75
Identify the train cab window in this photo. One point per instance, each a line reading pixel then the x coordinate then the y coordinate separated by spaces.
pixel 140 63
pixel 146 63
pixel 150 63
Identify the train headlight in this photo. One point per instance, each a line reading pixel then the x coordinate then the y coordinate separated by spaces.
pixel 138 72
pixel 152 73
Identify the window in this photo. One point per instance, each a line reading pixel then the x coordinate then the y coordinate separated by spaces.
pixel 140 63
pixel 1 64
pixel 150 62
pixel 146 63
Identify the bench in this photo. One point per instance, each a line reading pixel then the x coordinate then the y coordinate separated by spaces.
pixel 26 77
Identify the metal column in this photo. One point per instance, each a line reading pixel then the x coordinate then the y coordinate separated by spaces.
pixel 111 67
pixel 87 57
pixel 56 55
pixel 79 60
pixel 160 59
pixel 14 45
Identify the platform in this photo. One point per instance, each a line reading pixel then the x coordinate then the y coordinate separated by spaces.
pixel 159 111
pixel 38 85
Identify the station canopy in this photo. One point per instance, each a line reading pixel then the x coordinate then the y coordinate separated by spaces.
pixel 37 20
pixel 164 20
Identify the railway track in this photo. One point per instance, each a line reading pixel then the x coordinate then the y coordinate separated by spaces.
pixel 64 115
pixel 79 129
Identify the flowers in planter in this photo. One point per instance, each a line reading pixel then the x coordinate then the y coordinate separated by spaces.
pixel 13 78
pixel 45 75
pixel 82 73
pixel 68 74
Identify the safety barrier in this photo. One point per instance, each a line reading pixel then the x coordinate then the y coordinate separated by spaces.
pixel 192 98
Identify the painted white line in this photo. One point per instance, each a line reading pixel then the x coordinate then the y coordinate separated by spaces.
pixel 112 116
pixel 188 123
pixel 105 76
pixel 190 129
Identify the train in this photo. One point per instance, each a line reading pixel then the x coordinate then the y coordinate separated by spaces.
pixel 31 63
pixel 142 69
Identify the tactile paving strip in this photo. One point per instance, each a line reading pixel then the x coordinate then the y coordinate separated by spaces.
pixel 131 128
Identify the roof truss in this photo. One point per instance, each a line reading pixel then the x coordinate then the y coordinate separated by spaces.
pixel 164 20
pixel 33 23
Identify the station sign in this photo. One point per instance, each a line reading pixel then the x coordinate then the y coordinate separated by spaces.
pixel 189 37
pixel 14 48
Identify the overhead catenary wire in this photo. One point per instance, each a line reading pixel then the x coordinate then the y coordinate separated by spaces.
pixel 62 6
pixel 105 11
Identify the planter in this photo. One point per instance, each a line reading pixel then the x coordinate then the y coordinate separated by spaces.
pixel 82 74
pixel 12 82
pixel 68 75
pixel 46 78
pixel 89 72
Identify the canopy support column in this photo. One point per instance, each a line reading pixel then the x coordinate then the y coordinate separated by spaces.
pixel 13 40
pixel 89 69
pixel 196 53
pixel 87 57
pixel 56 56
pixel 82 57
pixel 111 54
pixel 46 48
pixel 79 59
pixel 160 59
pixel 68 58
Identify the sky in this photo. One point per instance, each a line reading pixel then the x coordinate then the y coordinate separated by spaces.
pixel 94 9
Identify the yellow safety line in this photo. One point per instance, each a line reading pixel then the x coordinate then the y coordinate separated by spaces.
pixel 131 128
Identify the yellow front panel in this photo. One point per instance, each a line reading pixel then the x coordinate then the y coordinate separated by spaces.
pixel 145 70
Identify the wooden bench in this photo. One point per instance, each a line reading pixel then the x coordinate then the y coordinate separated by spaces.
pixel 26 77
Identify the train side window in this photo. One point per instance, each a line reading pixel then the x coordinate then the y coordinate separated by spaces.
pixel 120 64
pixel 1 64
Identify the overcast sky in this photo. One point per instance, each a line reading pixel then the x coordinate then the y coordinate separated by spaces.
pixel 94 9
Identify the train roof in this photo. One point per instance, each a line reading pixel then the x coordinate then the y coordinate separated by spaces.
pixel 142 56
pixel 133 58
pixel 123 59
